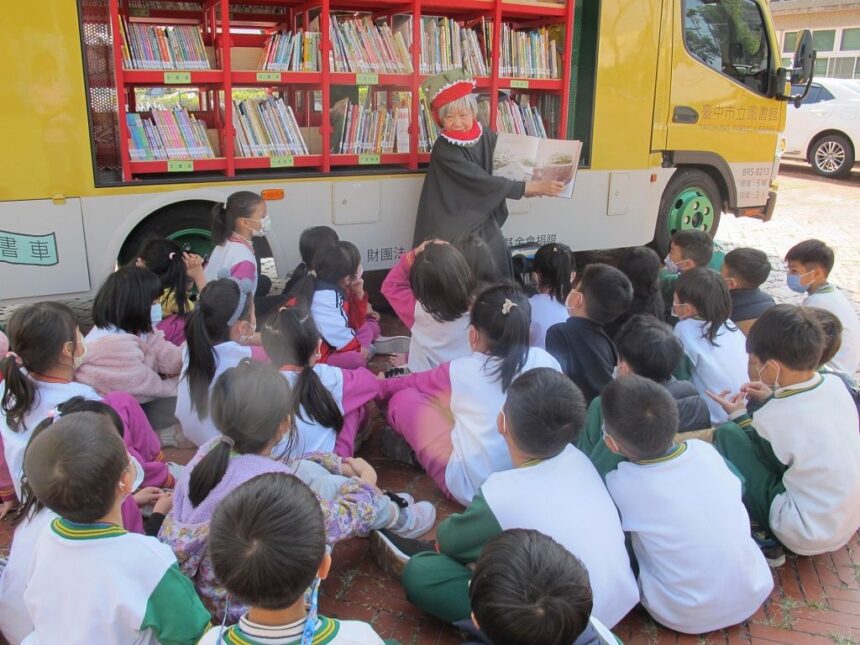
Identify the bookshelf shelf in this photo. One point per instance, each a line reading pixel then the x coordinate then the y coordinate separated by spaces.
pixel 236 102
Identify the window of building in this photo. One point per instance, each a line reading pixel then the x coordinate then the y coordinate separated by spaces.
pixel 841 67
pixel 821 66
pixel 850 39
pixel 789 42
pixel 823 40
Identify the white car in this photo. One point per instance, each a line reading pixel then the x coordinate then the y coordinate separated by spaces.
pixel 825 129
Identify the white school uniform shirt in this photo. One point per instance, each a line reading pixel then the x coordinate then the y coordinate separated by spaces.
pixel 812 429
pixel 199 430
pixel 48 397
pixel 15 622
pixel 565 498
pixel 96 583
pixel 476 400
pixel 228 256
pixel 434 342
pixel 715 368
pixel 327 310
pixel 699 568
pixel 328 631
pixel 546 312
pixel 311 436
pixel 828 297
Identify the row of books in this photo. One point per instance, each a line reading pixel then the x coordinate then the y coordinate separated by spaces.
pixel 266 128
pixel 360 46
pixel 359 130
pixel 156 47
pixel 292 52
pixel 167 134
pixel 528 54
pixel 428 131
pixel 520 119
pixel 447 45
pixel 173 5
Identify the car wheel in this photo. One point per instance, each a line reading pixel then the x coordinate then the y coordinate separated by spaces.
pixel 832 156
pixel 691 201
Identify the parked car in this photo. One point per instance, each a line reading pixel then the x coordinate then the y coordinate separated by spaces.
pixel 825 129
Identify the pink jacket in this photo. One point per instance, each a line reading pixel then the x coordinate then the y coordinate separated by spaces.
pixel 145 368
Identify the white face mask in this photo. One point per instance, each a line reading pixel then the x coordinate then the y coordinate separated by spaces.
pixel 155 314
pixel 138 474
pixel 265 227
pixel 77 361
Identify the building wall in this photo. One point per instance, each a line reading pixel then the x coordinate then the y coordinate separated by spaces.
pixel 835 26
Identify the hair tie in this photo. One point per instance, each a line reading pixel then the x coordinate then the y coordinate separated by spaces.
pixel 245 289
pixel 171 255
pixel 507 305
pixel 227 440
pixel 15 358
pixel 312 272
pixel 54 414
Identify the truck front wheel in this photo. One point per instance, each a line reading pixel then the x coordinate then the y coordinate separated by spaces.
pixel 691 201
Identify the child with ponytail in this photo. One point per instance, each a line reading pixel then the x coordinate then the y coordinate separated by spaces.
pixel 553 271
pixel 329 403
pixel 252 408
pixel 178 272
pixel 234 224
pixel 39 374
pixel 430 290
pixel 219 334
pixel 447 414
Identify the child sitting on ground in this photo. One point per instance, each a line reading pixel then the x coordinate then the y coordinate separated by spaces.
pixel 744 270
pixel 540 420
pixel 251 406
pixel 584 351
pixel 699 568
pixel 800 453
pixel 311 240
pixel 430 290
pixel 832 342
pixel 553 271
pixel 809 265
pixel 479 257
pixel 687 250
pixel 91 581
pixel 267 543
pixel 646 347
pixel 716 359
pixel 220 333
pixel 527 589
pixel 363 320
pixel 641 265
pixel 329 403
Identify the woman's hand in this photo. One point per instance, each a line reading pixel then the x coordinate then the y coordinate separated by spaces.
pixel 358 467
pixel 545 188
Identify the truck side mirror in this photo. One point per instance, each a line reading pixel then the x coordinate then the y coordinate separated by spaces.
pixel 804 59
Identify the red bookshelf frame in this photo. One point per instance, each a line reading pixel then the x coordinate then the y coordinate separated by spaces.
pixel 218 24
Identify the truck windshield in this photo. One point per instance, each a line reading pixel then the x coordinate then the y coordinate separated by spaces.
pixel 729 36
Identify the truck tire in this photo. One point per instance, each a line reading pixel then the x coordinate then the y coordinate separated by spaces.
pixel 832 156
pixel 691 201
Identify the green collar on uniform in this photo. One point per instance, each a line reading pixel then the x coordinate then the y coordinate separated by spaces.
pixel 530 462
pixel 824 288
pixel 327 629
pixel 676 451
pixel 77 531
pixel 800 388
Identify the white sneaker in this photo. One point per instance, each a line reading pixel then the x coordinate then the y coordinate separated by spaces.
pixel 391 344
pixel 420 518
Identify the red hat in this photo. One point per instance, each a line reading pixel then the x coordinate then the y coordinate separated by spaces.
pixel 446 87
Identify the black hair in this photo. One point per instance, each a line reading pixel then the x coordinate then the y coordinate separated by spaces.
pixel 332 263
pixel 290 337
pixel 37 334
pixel 506 334
pixel 640 415
pixel 812 252
pixel 30 504
pixel 832 328
pixel 441 282
pixel 789 334
pixel 224 214
pixel 310 241
pixel 750 267
pixel 706 290
pixel 480 259
pixel 649 347
pixel 641 265
pixel 206 327
pixel 607 292
pixel 164 259
pixel 527 589
pixel 544 412
pixel 75 465
pixel 354 253
pixel 696 246
pixel 554 265
pixel 249 404
pixel 125 300
pixel 267 540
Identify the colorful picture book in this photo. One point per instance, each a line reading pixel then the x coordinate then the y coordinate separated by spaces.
pixel 266 128
pixel 361 46
pixel 447 45
pixel 361 130
pixel 153 47
pixel 525 158
pixel 531 53
pixel 513 118
pixel 167 134
pixel 428 130
pixel 292 52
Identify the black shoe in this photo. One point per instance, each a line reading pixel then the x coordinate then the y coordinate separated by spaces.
pixel 392 552
pixel 770 548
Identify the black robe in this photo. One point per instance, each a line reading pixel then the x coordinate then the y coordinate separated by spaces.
pixel 461 196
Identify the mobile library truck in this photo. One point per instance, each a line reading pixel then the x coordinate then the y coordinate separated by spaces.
pixel 128 118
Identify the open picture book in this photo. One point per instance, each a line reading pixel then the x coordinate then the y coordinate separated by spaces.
pixel 524 158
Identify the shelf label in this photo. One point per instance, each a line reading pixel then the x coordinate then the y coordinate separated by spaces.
pixel 367 79
pixel 177 78
pixel 281 161
pixel 368 159
pixel 518 83
pixel 266 77
pixel 180 165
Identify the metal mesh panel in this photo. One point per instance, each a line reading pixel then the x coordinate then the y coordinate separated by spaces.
pixel 102 98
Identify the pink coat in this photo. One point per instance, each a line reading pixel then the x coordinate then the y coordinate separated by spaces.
pixel 145 368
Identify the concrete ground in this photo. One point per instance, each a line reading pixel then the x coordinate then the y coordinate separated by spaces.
pixel 815 600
